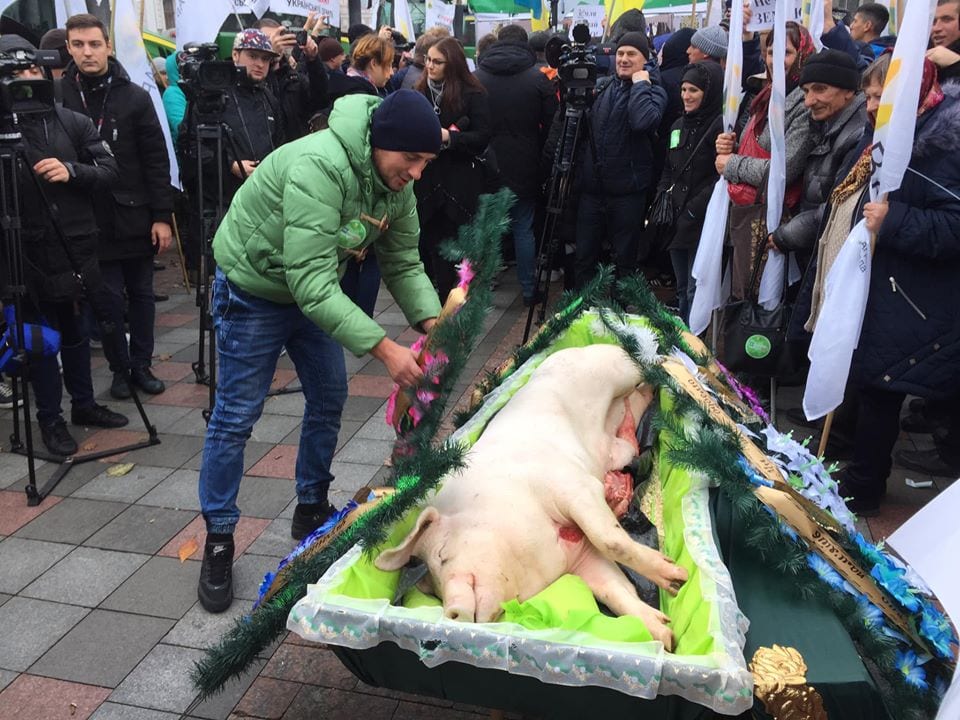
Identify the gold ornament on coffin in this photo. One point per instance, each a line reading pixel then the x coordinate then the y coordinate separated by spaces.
pixel 780 683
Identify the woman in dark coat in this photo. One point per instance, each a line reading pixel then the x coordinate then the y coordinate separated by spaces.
pixel 450 186
pixel 691 169
pixel 910 339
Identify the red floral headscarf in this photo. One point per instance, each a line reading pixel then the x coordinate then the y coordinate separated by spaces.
pixel 803 42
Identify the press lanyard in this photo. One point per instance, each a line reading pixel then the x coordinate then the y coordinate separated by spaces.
pixel 103 109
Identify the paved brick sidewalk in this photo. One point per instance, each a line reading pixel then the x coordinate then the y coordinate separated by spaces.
pixel 98 616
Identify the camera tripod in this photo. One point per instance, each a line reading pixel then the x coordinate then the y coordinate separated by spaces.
pixel 210 132
pixel 13 166
pixel 576 123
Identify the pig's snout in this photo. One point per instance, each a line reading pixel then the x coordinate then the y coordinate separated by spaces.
pixel 459 598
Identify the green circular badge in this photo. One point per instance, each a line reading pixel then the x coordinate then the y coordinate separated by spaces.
pixel 757 346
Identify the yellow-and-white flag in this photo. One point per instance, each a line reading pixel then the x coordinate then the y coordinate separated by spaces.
pixel 813 20
pixel 848 281
pixel 708 264
pixel 402 20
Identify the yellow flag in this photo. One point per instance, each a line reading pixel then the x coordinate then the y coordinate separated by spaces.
pixel 616 8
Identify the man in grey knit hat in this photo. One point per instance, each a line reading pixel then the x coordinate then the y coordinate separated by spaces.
pixel 709 43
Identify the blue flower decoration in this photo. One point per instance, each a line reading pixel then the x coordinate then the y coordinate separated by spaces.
pixel 891 580
pixel 935 627
pixel 872 615
pixel 869 550
pixel 825 571
pixel 752 474
pixel 909 665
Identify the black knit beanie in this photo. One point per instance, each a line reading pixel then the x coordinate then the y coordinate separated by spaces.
pixel 406 122
pixel 831 67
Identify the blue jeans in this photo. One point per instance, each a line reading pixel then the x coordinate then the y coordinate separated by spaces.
pixel 524 244
pixel 250 334
pixel 135 276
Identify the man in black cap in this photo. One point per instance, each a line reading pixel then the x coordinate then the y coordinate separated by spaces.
pixel 838 112
pixel 280 250
pixel 615 169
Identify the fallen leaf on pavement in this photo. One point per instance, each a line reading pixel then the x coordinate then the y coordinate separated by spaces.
pixel 119 470
pixel 89 446
pixel 188 549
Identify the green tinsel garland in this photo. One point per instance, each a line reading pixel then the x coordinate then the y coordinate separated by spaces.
pixel 414 476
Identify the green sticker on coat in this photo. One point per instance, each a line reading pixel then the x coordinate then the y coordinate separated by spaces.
pixel 674 138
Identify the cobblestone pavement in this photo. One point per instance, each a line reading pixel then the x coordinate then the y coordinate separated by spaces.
pixel 98 615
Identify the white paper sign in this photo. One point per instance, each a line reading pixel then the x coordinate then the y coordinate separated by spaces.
pixel 763 12
pixel 439 14
pixel 329 9
pixel 592 15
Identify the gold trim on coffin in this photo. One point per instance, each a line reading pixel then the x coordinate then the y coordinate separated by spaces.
pixel 816 526
pixel 780 683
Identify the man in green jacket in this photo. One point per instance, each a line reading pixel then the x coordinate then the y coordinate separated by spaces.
pixel 307 208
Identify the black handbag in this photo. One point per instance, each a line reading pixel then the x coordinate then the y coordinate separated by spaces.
pixel 662 211
pixel 754 337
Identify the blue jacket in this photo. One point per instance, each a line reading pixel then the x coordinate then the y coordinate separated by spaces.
pixel 623 122
pixel 910 341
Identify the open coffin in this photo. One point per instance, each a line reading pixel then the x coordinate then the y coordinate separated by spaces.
pixel 560 636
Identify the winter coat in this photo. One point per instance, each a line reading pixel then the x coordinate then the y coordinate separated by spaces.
pixel 838 38
pixel 453 183
pixel 300 92
pixel 799 140
pixel 339 85
pixel 910 341
pixel 673 63
pixel 837 140
pixel 174 101
pixel 253 119
pixel 71 138
pixel 693 176
pixel 623 123
pixel 127 120
pixel 522 104
pixel 280 240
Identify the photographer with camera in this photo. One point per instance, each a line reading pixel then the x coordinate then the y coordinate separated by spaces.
pixel 615 168
pixel 297 77
pixel 249 112
pixel 71 162
pixel 134 219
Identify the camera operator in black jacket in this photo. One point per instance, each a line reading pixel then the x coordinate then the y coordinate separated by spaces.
pixel 70 162
pixel 252 118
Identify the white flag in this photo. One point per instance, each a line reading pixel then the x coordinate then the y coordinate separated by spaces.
pixel 714 13
pixel 771 283
pixel 402 20
pixel 130 51
pixel 841 314
pixel 707 266
pixel 813 20
pixel 200 20
pixel 838 325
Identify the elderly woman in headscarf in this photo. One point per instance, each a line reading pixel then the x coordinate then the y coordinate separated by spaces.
pixel 910 339
pixel 747 169
pixel 690 169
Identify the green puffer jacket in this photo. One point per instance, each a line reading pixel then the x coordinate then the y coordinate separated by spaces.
pixel 279 240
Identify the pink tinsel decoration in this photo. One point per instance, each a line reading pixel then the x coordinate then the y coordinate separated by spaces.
pixel 466 273
pixel 745 393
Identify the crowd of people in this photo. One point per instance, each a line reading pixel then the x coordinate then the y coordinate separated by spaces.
pixel 341 167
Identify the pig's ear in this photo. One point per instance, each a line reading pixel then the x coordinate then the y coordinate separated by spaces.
pixel 400 555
